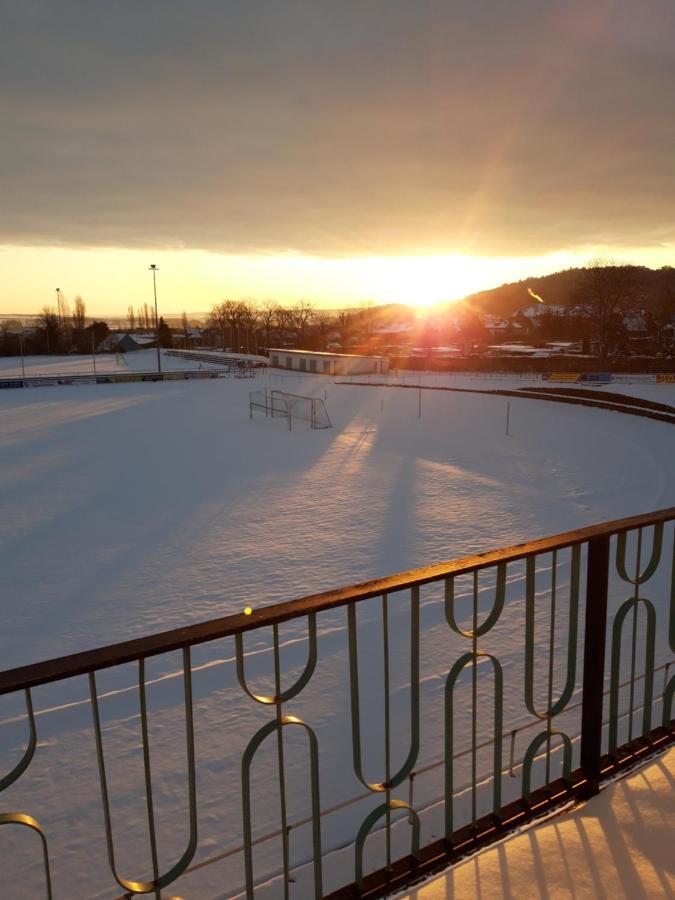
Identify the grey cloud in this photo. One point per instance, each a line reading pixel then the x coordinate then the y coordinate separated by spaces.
pixel 338 128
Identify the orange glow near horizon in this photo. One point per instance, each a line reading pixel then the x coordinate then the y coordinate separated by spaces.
pixel 111 279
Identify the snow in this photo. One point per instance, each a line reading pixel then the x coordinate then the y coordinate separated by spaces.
pixel 136 361
pixel 133 508
pixel 619 844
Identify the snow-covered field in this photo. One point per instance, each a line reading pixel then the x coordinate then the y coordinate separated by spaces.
pixel 133 508
pixel 140 361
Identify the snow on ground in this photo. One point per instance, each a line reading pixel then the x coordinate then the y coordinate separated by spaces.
pixel 633 385
pixel 618 845
pixel 133 508
pixel 137 361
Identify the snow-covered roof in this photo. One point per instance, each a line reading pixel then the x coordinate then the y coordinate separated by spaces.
pixel 534 310
pixel 635 323
pixel 395 328
pixel 524 349
pixel 490 321
pixel 322 353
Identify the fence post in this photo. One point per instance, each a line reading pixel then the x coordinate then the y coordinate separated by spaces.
pixel 597 579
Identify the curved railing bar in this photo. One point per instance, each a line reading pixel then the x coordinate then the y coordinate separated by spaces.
pixel 654 559
pixel 530 601
pixel 631 604
pixel 671 629
pixel 531 752
pixel 384 809
pixel 295 689
pixel 668 694
pixel 247 759
pixel 161 881
pixel 454 673
pixel 29 752
pixel 409 763
pixel 495 612
pixel 17 818
pixel 669 689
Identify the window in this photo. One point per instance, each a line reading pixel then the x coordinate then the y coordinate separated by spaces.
pixel 312 365
pixel 303 365
pixel 326 365
pixel 289 362
pixel 275 359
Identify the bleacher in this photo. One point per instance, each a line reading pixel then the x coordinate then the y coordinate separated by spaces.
pixel 228 361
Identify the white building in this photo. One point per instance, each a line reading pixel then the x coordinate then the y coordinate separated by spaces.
pixel 327 363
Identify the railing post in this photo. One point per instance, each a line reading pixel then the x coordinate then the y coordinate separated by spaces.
pixel 597 579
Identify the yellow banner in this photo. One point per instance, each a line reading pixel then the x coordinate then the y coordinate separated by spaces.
pixel 565 376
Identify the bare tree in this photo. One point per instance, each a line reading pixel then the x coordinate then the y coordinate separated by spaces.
pixel 234 317
pixel 131 318
pixel 660 318
pixel 220 319
pixel 268 315
pixel 347 325
pixel 323 323
pixel 79 316
pixel 48 324
pixel 300 317
pixel 606 293
pixel 284 318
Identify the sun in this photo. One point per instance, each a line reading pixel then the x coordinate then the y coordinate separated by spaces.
pixel 418 281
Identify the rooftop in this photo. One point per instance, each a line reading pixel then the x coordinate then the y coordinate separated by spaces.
pixel 324 353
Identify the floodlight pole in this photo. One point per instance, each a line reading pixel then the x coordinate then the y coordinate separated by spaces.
pixel 58 309
pixel 154 270
pixel 23 368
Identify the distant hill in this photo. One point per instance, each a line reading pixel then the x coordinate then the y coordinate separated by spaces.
pixel 558 288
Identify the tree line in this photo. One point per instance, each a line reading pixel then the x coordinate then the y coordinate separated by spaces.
pixel 57 329
pixel 242 324
pixel 604 300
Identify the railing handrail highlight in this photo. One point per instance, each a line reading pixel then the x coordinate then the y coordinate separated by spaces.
pixel 74 664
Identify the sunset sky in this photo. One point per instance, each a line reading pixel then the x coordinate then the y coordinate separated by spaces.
pixel 382 150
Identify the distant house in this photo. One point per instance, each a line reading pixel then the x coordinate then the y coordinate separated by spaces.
pixel 636 326
pixel 195 338
pixel 395 328
pixel 534 311
pixel 126 342
pixel 495 325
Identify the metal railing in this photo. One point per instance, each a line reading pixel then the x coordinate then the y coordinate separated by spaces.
pixel 560 594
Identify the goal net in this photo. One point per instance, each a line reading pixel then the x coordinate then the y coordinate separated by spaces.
pixel 280 404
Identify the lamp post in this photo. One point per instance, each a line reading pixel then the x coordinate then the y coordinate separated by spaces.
pixel 58 311
pixel 155 270
pixel 23 367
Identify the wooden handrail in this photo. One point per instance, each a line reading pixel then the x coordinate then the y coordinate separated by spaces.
pixel 59 668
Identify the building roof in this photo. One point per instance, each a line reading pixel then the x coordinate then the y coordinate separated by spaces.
pixel 396 328
pixel 323 353
pixel 534 310
pixel 494 322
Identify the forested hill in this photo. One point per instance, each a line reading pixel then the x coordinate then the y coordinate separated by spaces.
pixel 558 288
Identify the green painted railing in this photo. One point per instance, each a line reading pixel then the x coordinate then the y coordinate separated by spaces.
pixel 581 652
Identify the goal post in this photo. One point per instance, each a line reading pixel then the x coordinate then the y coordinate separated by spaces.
pixel 280 404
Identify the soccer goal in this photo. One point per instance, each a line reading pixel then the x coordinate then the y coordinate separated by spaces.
pixel 279 404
